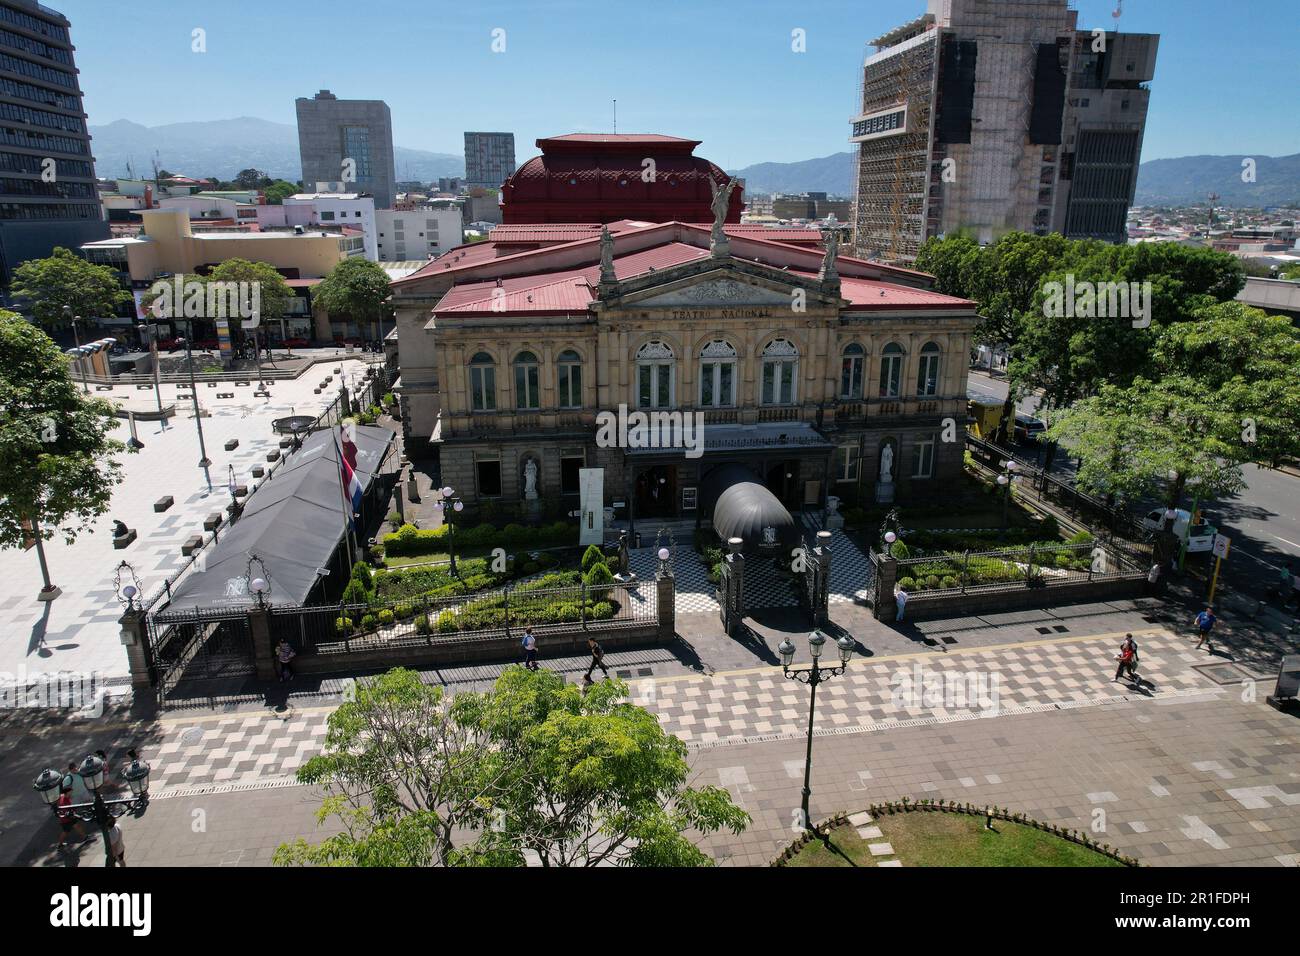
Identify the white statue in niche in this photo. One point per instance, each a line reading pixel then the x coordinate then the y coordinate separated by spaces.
pixel 887 465
pixel 530 480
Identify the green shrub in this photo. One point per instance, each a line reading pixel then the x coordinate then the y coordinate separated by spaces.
pixel 900 551
pixel 592 556
pixel 1082 537
pixel 715 573
pixel 369 622
pixel 932 581
pixel 597 579
pixel 356 593
pixel 907 584
pixel 422 625
pixel 948 582
pixel 386 616
pixel 342 624
pixel 361 572
pixel 1048 529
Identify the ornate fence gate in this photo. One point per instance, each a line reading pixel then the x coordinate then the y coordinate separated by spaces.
pixel 200 646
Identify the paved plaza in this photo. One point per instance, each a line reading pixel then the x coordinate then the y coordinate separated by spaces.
pixel 78 632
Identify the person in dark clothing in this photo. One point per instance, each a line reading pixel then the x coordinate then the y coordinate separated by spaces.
pixel 597 658
pixel 1127 658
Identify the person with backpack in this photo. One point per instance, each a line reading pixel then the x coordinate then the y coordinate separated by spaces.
pixel 1205 622
pixel 597 658
pixel 1128 659
pixel 530 649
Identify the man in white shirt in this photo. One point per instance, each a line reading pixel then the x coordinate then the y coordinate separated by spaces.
pixel 530 649
pixel 900 596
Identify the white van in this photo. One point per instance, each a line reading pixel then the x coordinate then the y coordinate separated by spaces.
pixel 1201 537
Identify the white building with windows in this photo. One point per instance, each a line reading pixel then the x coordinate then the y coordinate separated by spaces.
pixel 343 209
pixel 420 233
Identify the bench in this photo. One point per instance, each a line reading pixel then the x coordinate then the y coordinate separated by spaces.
pixel 316 391
pixel 243 384
pixel 241 491
pixel 232 444
pixel 258 471
pixel 212 384
pixel 286 442
pixel 338 369
pixel 225 394
pixel 212 522
pixel 138 388
pixel 273 455
pixel 262 393
pixel 163 503
pixel 105 388
pixel 192 544
pixel 121 541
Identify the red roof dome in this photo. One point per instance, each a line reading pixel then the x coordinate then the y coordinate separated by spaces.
pixel 595 177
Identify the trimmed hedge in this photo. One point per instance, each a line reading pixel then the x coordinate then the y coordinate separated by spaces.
pixel 410 541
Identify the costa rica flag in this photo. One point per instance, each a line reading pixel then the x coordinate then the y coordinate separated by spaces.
pixel 346 447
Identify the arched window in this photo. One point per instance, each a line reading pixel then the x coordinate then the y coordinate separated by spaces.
pixel 654 375
pixel 717 375
pixel 527 392
pixel 891 370
pixel 482 383
pixel 851 366
pixel 780 372
pixel 927 374
pixel 570 379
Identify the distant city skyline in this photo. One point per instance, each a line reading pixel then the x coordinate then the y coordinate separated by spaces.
pixel 686 69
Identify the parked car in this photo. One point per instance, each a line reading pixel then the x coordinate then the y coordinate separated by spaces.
pixel 1028 429
pixel 295 344
pixel 1201 537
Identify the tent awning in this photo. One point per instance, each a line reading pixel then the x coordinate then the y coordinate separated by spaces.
pixel 293 522
pixel 745 509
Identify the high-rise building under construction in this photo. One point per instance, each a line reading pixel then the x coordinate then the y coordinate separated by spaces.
pixel 988 116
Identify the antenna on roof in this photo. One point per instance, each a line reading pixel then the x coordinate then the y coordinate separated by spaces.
pixel 616 117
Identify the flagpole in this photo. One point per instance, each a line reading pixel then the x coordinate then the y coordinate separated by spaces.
pixel 343 491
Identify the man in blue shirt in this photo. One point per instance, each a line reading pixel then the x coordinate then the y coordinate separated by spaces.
pixel 1205 621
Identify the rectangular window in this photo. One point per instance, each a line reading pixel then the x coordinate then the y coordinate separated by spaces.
pixel 924 459
pixel 891 372
pixel 570 386
pixel 527 394
pixel 851 377
pixel 778 382
pixel 327 216
pixel 846 463
pixel 927 376
pixel 483 388
pixel 569 468
pixel 654 385
pixel 489 478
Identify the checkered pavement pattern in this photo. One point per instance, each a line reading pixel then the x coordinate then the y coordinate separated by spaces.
pixel 751 705
pixel 253 751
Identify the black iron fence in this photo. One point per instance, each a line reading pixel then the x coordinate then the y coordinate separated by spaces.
pixel 198 646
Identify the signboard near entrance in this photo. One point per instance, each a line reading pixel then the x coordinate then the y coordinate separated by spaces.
pixel 591 487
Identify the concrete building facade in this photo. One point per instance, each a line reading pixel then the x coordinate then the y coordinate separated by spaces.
pixel 489 159
pixel 428 230
pixel 355 210
pixel 990 116
pixel 349 141
pixel 48 196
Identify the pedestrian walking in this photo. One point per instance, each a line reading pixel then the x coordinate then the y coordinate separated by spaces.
pixel 597 658
pixel 1128 659
pixel 116 846
pixel 1155 577
pixel 900 596
pixel 1205 622
pixel 285 655
pixel 530 649
pixel 67 820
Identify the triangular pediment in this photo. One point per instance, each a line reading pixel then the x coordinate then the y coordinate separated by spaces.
pixel 719 291
pixel 709 284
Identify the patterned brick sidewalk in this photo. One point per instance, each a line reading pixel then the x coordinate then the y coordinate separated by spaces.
pixel 260 750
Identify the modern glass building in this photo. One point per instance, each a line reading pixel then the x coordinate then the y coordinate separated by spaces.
pixel 349 143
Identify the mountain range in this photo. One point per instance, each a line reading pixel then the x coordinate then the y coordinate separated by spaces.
pixel 224 147
pixel 1174 182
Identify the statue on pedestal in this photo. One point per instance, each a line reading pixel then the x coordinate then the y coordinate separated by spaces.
pixel 530 480
pixel 721 202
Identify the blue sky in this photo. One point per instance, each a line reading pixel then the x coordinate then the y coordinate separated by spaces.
pixel 720 72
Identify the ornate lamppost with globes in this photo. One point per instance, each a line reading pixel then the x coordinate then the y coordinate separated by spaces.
pixel 447 501
pixel 49 784
pixel 813 676
pixel 1004 481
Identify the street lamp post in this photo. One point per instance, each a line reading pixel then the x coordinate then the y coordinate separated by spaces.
pixel 812 677
pixel 76 338
pixel 204 462
pixel 447 500
pixel 152 333
pixel 49 784
pixel 1004 481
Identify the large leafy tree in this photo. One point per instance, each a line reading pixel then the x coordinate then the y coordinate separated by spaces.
pixel 532 767
pixel 356 288
pixel 66 279
pixel 57 464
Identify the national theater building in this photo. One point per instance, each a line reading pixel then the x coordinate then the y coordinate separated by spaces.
pixel 821 374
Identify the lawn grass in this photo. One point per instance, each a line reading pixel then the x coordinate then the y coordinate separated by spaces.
pixel 929 838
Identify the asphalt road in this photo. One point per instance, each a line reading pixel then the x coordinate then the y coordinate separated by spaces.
pixel 1263 520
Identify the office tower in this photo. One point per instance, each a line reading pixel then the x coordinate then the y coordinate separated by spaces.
pixel 348 142
pixel 47 173
pixel 996 115
pixel 489 158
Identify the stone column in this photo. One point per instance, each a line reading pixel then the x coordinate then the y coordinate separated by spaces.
pixel 259 625
pixel 886 577
pixel 135 636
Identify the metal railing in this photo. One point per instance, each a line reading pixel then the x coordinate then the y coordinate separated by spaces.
pixel 1032 566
